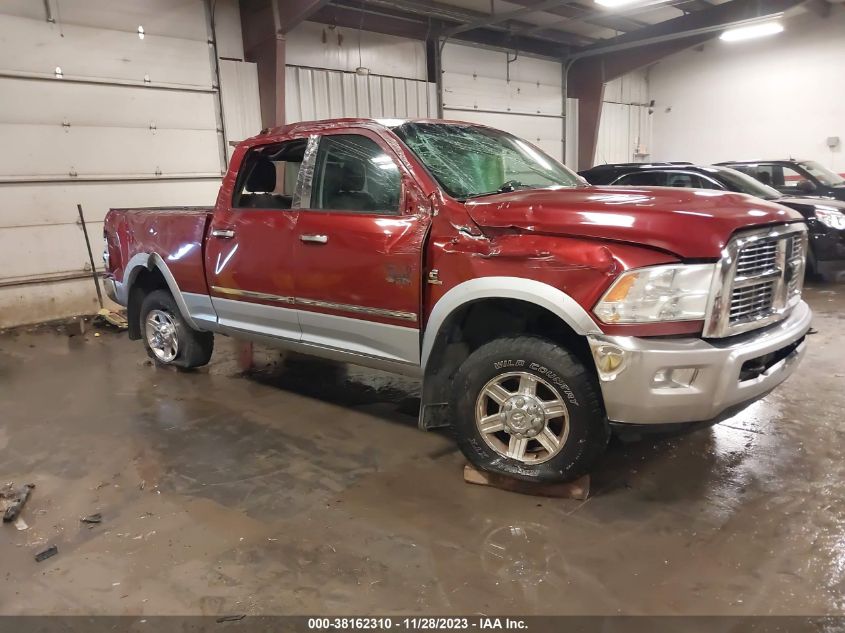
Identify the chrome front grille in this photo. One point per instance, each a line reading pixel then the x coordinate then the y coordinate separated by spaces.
pixel 758 281
pixel 756 259
pixel 752 301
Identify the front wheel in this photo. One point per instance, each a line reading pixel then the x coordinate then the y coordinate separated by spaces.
pixel 529 409
pixel 169 340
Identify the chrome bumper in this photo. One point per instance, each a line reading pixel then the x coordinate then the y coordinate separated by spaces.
pixel 662 381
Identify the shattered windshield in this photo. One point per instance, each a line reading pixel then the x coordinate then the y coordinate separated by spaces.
pixel 470 161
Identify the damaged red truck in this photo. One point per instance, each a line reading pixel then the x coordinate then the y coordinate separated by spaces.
pixel 538 310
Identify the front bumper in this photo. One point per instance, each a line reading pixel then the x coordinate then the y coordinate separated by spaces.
pixel 665 381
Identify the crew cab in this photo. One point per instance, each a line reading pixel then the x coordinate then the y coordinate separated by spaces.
pixel 538 310
pixel 825 217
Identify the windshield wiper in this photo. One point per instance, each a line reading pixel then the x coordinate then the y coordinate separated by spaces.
pixel 510 185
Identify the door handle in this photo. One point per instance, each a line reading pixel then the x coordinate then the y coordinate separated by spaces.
pixel 226 234
pixel 314 239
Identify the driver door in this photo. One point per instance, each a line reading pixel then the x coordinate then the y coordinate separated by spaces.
pixel 358 250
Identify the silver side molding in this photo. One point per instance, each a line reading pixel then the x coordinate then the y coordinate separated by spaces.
pixel 249 294
pixel 328 305
pixel 345 307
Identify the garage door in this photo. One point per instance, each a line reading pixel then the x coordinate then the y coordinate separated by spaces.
pixel 523 97
pixel 625 126
pixel 105 104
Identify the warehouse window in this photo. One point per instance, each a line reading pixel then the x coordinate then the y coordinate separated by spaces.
pixel 268 176
pixel 354 174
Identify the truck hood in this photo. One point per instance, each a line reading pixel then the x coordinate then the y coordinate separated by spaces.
pixel 690 223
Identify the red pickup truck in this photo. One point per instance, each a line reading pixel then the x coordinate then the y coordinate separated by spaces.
pixel 538 310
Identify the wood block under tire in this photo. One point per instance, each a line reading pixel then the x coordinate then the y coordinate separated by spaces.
pixel 578 489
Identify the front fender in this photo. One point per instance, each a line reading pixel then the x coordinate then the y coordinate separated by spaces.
pixel 520 288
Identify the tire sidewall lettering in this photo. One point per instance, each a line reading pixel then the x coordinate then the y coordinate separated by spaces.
pixel 540 370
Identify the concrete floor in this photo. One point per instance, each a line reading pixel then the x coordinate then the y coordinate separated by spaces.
pixel 307 488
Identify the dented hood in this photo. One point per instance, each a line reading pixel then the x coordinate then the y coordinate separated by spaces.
pixel 691 223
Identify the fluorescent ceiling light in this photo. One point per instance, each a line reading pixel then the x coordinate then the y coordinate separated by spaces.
pixel 751 31
pixel 615 4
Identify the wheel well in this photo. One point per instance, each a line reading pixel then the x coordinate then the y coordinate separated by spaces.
pixel 144 282
pixel 479 322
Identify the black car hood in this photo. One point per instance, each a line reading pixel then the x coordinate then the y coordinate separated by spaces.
pixel 808 205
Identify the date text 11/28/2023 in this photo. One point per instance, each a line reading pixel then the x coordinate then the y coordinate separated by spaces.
pixel 416 623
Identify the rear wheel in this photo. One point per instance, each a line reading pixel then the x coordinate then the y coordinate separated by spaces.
pixel 529 409
pixel 169 340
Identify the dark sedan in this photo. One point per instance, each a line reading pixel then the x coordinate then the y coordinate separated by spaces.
pixel 825 217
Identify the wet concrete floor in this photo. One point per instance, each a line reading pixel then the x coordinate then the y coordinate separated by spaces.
pixel 306 488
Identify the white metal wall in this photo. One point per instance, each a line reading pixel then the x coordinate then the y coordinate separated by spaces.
pixel 523 97
pixel 321 82
pixel 313 93
pixel 92 113
pixel 766 98
pixel 334 48
pixel 625 124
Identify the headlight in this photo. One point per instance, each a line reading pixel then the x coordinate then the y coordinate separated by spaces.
pixel 830 217
pixel 658 293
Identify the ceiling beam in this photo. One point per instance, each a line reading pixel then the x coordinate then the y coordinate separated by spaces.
pixel 293 12
pixel 496 18
pixel 457 16
pixel 716 16
pixel 428 20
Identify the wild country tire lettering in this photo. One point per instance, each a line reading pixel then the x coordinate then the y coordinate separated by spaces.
pixel 543 371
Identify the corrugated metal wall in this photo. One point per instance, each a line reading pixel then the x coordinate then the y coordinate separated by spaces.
pixel 625 126
pixel 92 113
pixel 321 82
pixel 314 93
pixel 524 97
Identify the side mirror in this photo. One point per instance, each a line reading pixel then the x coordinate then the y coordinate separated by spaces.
pixel 415 201
pixel 806 186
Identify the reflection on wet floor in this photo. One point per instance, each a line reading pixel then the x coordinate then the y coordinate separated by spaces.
pixel 305 487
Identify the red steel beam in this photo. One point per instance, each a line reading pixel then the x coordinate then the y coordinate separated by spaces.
pixel 264 44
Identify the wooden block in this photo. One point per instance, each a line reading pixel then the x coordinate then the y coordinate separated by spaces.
pixel 578 489
pixel 75 327
pixel 246 359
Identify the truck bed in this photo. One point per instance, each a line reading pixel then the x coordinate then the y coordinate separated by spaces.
pixel 173 233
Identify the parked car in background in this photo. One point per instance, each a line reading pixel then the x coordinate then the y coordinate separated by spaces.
pixel 825 217
pixel 537 310
pixel 794 177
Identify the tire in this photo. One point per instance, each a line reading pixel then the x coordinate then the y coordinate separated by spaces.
pixel 579 427
pixel 176 343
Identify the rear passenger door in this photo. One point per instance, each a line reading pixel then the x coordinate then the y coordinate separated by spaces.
pixel 358 250
pixel 249 253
